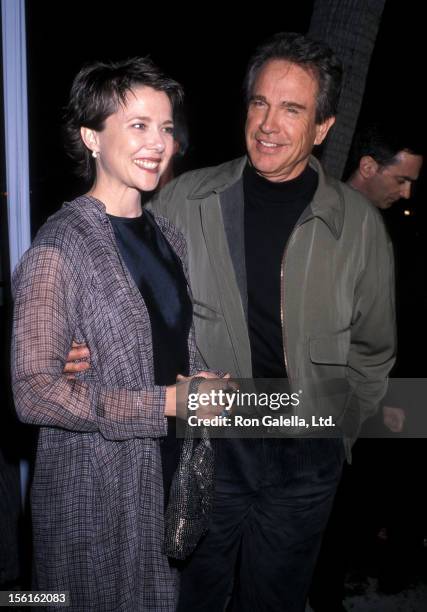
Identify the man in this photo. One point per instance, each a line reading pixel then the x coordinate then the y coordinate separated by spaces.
pixel 385 163
pixel 390 158
pixel 291 275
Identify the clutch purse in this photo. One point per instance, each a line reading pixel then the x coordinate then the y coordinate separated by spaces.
pixel 191 493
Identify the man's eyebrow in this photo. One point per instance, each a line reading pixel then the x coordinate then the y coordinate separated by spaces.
pixel 290 104
pixel 411 179
pixel 257 97
pixel 284 104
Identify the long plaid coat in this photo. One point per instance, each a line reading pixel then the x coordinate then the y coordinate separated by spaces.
pixel 97 494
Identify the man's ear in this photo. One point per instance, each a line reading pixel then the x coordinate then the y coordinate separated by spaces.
pixel 368 166
pixel 322 129
pixel 90 138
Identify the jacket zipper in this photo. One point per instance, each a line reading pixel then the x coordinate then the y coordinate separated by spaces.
pixel 282 301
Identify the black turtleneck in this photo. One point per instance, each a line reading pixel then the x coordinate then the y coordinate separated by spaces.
pixel 271 212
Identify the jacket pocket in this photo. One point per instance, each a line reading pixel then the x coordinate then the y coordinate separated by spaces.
pixel 330 349
pixel 329 353
pixel 203 311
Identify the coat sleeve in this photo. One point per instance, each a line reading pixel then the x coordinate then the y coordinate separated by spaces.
pixel 373 331
pixel 45 299
pixel 196 361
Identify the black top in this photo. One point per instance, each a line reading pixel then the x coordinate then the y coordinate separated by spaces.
pixel 271 212
pixel 158 273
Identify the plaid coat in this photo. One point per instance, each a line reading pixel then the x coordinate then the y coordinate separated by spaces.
pixel 97 494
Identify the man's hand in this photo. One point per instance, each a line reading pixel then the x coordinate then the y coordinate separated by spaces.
pixel 78 360
pixel 211 385
pixel 393 418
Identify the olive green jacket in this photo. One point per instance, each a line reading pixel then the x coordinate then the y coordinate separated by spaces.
pixel 337 297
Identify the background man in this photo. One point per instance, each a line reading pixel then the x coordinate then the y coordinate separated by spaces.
pixel 386 165
pixel 385 162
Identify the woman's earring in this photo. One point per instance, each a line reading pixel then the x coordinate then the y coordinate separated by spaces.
pixel 94 154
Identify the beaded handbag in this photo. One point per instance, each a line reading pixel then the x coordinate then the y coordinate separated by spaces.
pixel 191 494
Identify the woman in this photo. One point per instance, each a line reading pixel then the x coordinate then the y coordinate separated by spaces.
pixel 103 272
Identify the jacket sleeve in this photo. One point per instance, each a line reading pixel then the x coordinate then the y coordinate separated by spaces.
pixel 46 295
pixel 373 330
pixel 196 361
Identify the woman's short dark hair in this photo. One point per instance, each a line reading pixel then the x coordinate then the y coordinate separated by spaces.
pixel 96 93
pixel 309 54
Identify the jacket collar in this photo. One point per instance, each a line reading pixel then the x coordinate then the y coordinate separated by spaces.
pixel 219 179
pixel 327 204
pixel 328 201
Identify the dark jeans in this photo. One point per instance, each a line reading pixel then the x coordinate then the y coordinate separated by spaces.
pixel 272 502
